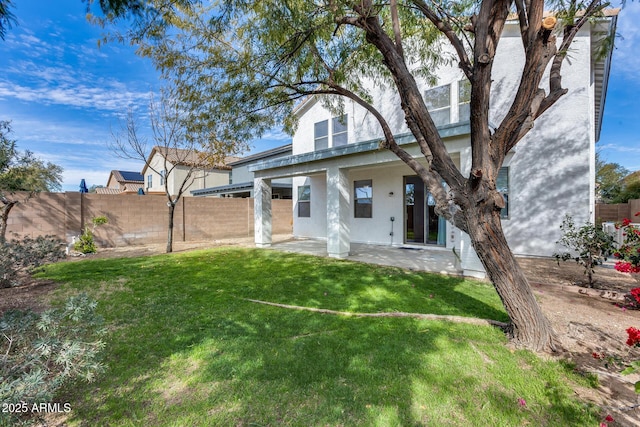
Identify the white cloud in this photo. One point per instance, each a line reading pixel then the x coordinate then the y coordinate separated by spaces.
pixel 276 135
pixel 111 98
pixel 620 148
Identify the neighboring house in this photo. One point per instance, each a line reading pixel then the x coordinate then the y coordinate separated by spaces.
pixel 122 182
pixel 241 181
pixel 174 164
pixel 346 189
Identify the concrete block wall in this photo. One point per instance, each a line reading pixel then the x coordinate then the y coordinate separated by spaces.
pixel 137 220
pixel 225 218
pixel 43 214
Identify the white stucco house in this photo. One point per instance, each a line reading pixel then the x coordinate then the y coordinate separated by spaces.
pixel 346 189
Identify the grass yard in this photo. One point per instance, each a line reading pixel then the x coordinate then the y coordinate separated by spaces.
pixel 185 347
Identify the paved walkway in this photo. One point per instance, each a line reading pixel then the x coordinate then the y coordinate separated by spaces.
pixel 437 260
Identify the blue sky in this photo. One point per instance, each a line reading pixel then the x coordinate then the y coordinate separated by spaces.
pixel 64 95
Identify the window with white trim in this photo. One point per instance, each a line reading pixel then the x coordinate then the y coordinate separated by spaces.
pixel 502 185
pixel 339 130
pixel 304 201
pixel 331 133
pixel 162 175
pixel 464 100
pixel 438 101
pixel 149 181
pixel 321 135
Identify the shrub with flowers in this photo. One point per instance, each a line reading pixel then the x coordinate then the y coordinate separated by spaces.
pixel 633 340
pixel 588 245
pixel 628 254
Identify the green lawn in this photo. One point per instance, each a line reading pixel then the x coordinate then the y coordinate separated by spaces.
pixel 185 347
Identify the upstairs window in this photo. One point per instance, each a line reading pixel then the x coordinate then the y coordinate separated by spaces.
pixel 162 174
pixel 337 128
pixel 502 185
pixel 149 181
pixel 304 201
pixel 321 135
pixel 464 100
pixel 363 198
pixel 438 101
pixel 339 131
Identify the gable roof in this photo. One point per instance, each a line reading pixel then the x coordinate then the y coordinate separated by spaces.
pixel 127 187
pixel 180 156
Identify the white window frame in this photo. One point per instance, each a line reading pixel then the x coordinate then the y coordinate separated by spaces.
pixel 504 191
pixel 461 103
pixel 342 120
pixel 331 135
pixel 439 109
pixel 302 201
pixel 320 137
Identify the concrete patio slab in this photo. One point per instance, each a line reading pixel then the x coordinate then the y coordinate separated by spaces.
pixel 435 260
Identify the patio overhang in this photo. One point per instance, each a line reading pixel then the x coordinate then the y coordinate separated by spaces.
pixel 234 188
pixel 350 155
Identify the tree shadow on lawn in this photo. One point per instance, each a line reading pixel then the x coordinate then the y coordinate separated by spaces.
pixel 196 353
pixel 357 287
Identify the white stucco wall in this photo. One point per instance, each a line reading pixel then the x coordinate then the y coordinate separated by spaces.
pixel 316 225
pixel 551 169
pixel 550 172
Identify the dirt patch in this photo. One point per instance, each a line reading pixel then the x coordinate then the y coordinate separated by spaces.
pixel 590 322
pixel 591 325
pixel 32 295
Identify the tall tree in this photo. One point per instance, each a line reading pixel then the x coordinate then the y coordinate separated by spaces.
pixel 630 188
pixel 241 66
pixel 180 158
pixel 609 179
pixel 21 171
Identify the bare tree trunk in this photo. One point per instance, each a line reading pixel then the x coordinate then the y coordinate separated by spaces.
pixel 529 326
pixel 172 208
pixel 4 217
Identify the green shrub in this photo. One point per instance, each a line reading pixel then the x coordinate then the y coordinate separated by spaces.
pixel 19 257
pixel 86 243
pixel 39 352
pixel 589 245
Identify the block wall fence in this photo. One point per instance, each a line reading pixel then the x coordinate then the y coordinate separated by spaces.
pixel 138 220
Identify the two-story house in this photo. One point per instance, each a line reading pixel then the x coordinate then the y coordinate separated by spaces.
pixel 174 165
pixel 347 189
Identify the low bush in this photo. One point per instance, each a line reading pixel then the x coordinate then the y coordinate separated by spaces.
pixel 39 352
pixel 588 245
pixel 86 243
